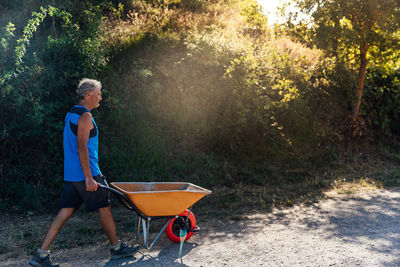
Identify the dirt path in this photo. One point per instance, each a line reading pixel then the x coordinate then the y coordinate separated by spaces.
pixel 358 230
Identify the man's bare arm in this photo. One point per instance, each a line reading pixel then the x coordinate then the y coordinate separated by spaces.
pixel 84 126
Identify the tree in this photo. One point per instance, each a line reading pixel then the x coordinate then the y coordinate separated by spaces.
pixel 353 31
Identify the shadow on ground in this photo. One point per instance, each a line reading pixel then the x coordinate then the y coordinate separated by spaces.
pixel 168 256
pixel 369 222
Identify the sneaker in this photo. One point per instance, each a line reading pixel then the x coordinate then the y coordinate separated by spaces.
pixel 124 251
pixel 42 261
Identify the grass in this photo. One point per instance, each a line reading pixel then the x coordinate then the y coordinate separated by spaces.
pixel 351 175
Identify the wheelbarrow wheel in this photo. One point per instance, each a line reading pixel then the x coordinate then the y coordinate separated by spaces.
pixel 175 226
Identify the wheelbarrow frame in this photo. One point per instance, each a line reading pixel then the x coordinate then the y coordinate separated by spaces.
pixel 146 220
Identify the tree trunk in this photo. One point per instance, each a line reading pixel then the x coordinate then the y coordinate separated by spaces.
pixel 360 86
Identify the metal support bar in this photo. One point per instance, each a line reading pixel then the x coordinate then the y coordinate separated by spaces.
pixel 162 230
pixel 146 227
pixel 187 218
pixel 137 230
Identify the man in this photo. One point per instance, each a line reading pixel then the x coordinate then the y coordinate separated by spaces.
pixel 82 175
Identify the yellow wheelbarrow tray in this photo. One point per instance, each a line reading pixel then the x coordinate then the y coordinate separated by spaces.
pixel 159 200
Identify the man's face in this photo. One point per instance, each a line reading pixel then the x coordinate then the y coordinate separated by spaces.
pixel 94 98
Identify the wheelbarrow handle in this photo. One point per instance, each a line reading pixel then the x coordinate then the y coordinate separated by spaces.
pixel 125 201
pixel 121 196
pixel 109 189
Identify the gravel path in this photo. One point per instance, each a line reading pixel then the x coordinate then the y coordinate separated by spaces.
pixel 357 230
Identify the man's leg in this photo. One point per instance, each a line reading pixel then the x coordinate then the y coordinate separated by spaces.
pixel 108 224
pixel 55 227
pixel 70 202
pixel 118 249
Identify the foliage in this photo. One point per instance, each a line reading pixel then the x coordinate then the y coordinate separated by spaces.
pixel 254 15
pixel 223 94
pixel 351 31
pixel 382 103
pixel 341 26
pixel 194 90
pixel 39 70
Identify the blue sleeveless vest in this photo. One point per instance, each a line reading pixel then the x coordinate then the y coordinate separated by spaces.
pixel 72 166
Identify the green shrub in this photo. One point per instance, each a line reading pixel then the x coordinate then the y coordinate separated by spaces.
pixel 381 106
pixel 254 14
pixel 219 93
pixel 39 73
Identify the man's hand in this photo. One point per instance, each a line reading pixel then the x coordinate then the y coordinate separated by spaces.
pixel 91 184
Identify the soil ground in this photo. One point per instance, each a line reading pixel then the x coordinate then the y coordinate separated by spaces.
pixel 359 229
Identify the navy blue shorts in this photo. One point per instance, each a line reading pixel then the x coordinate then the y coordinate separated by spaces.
pixel 74 194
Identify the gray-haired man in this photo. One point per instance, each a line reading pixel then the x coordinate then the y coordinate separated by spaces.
pixel 82 175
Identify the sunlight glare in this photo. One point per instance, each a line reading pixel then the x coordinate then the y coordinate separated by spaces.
pixel 270 8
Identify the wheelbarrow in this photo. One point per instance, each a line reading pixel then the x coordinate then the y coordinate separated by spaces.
pixel 171 201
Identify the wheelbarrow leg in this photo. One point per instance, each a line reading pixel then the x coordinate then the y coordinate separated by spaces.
pixel 146 230
pixel 137 231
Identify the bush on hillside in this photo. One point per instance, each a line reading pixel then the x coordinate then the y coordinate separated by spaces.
pixel 382 103
pixel 39 73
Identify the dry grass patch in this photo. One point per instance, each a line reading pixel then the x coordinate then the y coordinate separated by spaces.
pixel 343 187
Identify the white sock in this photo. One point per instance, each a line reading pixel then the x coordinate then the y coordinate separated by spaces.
pixel 43 252
pixel 116 246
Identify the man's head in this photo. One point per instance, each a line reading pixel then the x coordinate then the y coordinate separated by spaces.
pixel 89 91
pixel 87 86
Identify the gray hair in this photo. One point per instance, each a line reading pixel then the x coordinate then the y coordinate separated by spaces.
pixel 87 85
